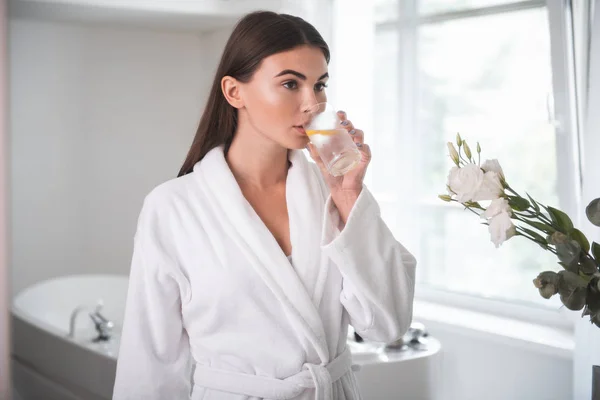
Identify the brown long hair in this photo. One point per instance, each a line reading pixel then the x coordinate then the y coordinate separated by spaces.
pixel 255 37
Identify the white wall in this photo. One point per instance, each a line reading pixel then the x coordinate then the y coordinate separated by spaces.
pixel 98 117
pixel 479 366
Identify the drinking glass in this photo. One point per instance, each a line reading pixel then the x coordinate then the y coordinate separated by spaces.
pixel 332 142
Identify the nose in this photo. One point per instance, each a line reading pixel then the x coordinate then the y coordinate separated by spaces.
pixel 310 100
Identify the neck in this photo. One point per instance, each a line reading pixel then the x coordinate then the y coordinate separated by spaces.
pixel 255 159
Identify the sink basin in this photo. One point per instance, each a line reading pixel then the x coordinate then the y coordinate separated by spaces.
pixel 407 373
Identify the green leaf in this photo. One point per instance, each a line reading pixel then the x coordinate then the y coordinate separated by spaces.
pixel 595 319
pixel 561 219
pixel 533 203
pixel 542 227
pixel 568 253
pixel 562 264
pixel 574 300
pixel 588 266
pixel 592 211
pixel 518 203
pixel 572 290
pixel 596 251
pixel 593 300
pixel 538 238
pixel 581 239
pixel 554 221
pixel 572 281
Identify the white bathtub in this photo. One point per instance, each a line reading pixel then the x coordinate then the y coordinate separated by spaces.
pixel 48 364
pixel 45 358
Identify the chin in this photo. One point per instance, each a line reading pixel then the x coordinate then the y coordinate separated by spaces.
pixel 298 143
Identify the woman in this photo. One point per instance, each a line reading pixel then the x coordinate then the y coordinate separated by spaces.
pixel 253 261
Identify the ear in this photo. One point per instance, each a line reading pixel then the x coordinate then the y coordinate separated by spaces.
pixel 231 90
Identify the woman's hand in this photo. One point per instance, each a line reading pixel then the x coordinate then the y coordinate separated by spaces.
pixel 345 189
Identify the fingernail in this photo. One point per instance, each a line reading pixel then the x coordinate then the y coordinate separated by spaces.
pixel 352 131
pixel 345 122
pixel 359 144
pixel 342 112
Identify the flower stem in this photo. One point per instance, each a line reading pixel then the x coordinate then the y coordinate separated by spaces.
pixel 541 215
pixel 511 190
pixel 521 232
pixel 522 218
pixel 473 211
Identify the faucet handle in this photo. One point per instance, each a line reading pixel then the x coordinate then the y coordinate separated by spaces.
pixel 416 331
pixel 101 321
pixel 103 326
pixel 99 305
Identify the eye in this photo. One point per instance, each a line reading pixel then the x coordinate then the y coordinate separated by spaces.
pixel 319 87
pixel 290 85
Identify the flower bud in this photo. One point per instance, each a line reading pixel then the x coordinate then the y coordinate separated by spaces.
pixel 473 204
pixel 478 148
pixel 467 150
pixel 445 197
pixel 453 153
pixel 547 283
pixel 558 238
pixel 458 140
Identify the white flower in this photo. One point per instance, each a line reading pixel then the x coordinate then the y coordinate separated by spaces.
pixel 465 181
pixel 501 228
pixel 496 207
pixel 490 188
pixel 493 166
pixel 470 183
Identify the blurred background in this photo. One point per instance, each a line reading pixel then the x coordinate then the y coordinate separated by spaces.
pixel 103 99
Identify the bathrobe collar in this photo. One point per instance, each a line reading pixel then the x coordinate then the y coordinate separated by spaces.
pixel 299 288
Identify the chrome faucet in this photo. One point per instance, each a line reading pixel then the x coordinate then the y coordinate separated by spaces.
pixel 102 324
pixel 416 335
pixel 415 338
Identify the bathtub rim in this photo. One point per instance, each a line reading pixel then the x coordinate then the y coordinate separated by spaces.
pixel 37 323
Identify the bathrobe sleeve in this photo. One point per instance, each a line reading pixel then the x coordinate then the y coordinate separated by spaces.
pixel 154 360
pixel 378 272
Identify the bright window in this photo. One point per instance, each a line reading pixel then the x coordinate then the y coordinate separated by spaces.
pixel 490 70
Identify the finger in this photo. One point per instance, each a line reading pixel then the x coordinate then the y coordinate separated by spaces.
pixel 357 135
pixel 365 151
pixel 342 115
pixel 347 124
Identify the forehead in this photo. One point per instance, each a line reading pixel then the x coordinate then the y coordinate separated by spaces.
pixel 307 60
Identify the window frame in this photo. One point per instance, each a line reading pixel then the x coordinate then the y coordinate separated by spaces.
pixel 563 114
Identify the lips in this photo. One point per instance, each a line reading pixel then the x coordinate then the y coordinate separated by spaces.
pixel 300 129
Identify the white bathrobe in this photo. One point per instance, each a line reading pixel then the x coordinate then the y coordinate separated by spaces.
pixel 210 286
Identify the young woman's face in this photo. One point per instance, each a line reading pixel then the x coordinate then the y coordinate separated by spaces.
pixel 282 89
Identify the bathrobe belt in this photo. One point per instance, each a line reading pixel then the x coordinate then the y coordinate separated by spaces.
pixel 312 376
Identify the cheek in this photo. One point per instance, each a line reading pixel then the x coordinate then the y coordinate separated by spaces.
pixel 272 105
pixel 321 96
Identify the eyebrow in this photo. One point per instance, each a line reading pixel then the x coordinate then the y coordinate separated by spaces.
pixel 298 74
